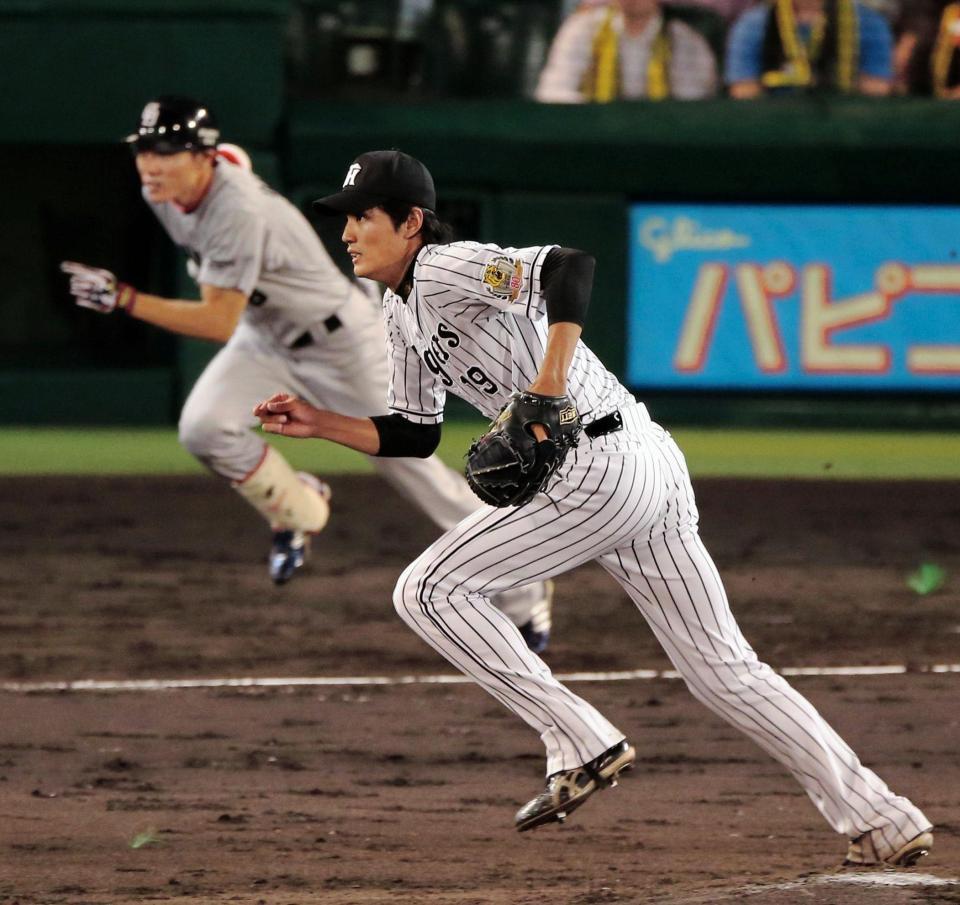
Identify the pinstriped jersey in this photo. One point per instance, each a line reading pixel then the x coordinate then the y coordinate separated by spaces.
pixel 474 325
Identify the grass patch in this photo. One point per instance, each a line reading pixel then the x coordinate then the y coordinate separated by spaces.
pixel 710 453
pixel 821 454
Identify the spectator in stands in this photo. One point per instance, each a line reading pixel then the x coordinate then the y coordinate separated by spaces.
pixel 800 45
pixel 729 9
pixel 626 50
pixel 926 58
pixel 945 58
pixel 726 9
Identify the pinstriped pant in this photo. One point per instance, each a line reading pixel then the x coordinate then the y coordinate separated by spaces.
pixel 625 501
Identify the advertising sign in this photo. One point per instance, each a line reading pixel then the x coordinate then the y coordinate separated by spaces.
pixel 794 297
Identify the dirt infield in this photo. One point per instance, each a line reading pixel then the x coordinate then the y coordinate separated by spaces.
pixel 366 794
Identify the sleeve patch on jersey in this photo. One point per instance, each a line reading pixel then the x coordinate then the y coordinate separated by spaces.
pixel 503 277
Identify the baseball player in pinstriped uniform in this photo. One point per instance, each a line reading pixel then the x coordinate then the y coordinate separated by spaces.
pixel 486 322
pixel 288 316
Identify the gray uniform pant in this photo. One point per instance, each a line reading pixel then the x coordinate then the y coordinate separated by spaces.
pixel 344 371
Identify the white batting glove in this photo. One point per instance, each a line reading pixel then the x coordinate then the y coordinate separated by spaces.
pixel 98 289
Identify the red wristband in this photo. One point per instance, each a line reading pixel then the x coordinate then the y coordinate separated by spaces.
pixel 126 297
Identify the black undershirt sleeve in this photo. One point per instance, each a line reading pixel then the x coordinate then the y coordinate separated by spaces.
pixel 566 281
pixel 401 437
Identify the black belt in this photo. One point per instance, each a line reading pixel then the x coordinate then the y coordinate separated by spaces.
pixel 608 424
pixel 305 339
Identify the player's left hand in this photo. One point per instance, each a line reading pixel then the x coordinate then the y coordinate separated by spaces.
pixel 98 289
pixel 287 415
pixel 511 463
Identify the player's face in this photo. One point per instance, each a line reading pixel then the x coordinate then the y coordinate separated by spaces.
pixel 172 177
pixel 639 7
pixel 379 250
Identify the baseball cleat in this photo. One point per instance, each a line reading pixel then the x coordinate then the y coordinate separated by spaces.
pixel 567 790
pixel 287 554
pixel 536 630
pixel 863 853
pixel 289 550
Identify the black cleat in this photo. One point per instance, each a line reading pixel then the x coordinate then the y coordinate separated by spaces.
pixel 567 790
pixel 538 642
pixel 863 853
pixel 287 554
pixel 536 630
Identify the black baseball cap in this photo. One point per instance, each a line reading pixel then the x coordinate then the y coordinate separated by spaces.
pixel 378 177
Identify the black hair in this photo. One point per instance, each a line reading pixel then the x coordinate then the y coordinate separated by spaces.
pixel 434 230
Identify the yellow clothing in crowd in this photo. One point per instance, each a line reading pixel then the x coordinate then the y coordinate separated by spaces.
pixel 593 59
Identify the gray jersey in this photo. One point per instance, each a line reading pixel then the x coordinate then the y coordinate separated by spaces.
pixel 245 236
pixel 475 326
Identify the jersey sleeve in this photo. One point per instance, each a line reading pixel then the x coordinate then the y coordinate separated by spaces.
pixel 568 60
pixel 745 46
pixel 233 255
pixel 468 273
pixel 693 68
pixel 876 44
pixel 413 392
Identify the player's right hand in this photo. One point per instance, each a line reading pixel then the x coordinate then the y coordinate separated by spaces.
pixel 287 415
pixel 98 289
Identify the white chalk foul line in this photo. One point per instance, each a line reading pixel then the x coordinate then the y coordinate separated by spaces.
pixel 361 681
pixel 878 878
pixel 887 878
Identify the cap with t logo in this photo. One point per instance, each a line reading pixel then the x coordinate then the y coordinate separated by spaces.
pixel 379 177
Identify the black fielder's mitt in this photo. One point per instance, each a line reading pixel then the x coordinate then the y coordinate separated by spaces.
pixel 507 466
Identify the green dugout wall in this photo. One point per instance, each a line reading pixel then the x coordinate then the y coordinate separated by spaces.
pixel 508 170
pixel 539 173
pixel 74 70
pixel 75 76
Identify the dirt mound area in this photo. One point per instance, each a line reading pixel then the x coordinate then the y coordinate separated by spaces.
pixel 362 793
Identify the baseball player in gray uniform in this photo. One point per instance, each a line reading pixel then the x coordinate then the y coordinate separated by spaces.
pixel 288 316
pixel 486 323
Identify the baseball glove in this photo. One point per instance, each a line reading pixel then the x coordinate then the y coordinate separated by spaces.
pixel 507 466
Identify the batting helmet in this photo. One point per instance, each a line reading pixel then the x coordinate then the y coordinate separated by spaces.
pixel 170 124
